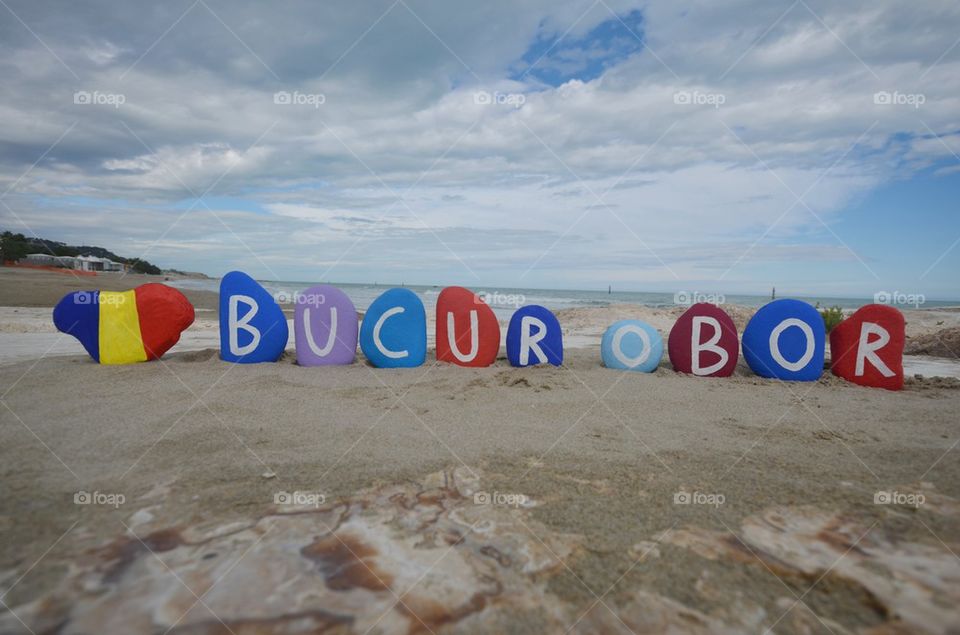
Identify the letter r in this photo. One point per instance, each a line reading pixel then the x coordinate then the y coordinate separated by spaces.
pixel 531 341
pixel 867 350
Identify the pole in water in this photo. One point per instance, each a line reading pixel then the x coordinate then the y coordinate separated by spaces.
pixel 609 289
pixel 773 293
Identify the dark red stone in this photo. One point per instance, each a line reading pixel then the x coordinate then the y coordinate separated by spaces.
pixel 680 345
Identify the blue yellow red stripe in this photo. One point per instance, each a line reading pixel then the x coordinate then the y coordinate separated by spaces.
pixel 125 327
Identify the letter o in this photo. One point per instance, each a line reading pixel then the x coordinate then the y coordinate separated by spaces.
pixel 775 344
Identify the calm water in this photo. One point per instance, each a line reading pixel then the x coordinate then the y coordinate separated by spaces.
pixel 504 301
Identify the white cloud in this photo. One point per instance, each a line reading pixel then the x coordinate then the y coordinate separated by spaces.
pixel 401 155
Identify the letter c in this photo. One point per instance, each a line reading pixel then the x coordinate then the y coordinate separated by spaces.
pixel 376 334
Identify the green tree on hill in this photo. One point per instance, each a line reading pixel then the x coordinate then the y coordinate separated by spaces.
pixel 142 266
pixel 13 247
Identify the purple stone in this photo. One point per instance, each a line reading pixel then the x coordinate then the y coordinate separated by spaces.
pixel 325 327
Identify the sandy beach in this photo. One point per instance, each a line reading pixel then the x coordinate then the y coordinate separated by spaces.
pixel 720 242
pixel 279 499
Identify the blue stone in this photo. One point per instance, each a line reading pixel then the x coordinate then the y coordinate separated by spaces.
pixel 394 330
pixel 78 314
pixel 785 340
pixel 253 328
pixel 631 345
pixel 534 337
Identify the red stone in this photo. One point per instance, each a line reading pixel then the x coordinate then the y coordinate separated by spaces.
pixel 478 348
pixel 164 313
pixel 680 344
pixel 859 341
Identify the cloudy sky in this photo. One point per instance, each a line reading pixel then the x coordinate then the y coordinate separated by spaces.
pixel 811 145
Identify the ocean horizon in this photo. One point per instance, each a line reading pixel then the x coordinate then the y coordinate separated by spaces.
pixel 504 300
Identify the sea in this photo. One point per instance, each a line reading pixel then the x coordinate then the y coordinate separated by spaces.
pixel 505 301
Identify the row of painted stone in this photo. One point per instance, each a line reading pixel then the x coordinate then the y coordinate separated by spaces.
pixel 785 339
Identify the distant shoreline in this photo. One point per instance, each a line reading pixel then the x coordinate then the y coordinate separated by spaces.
pixel 556 299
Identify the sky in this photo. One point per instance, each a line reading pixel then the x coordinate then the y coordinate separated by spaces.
pixel 661 146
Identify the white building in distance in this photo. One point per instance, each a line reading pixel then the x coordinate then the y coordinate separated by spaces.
pixel 79 263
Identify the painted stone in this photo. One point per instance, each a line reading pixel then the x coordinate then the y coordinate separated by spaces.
pixel 394 330
pixel 253 328
pixel 534 337
pixel 125 327
pixel 631 345
pixel 468 333
pixel 325 327
pixel 704 342
pixel 785 340
pixel 867 347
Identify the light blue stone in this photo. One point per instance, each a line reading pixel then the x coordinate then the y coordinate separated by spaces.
pixel 631 345
pixel 394 330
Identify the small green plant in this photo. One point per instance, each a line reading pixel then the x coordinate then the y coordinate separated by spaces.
pixel 831 316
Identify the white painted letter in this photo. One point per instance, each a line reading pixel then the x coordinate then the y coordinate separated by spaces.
pixel 529 342
pixel 376 334
pixel 474 337
pixel 322 352
pixel 867 350
pixel 709 345
pixel 235 325
pixel 775 344
pixel 631 362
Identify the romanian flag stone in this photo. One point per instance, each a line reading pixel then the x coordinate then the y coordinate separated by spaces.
pixel 125 327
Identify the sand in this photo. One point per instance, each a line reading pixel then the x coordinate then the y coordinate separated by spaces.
pixel 40 288
pixel 447 500
pixel 943 343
